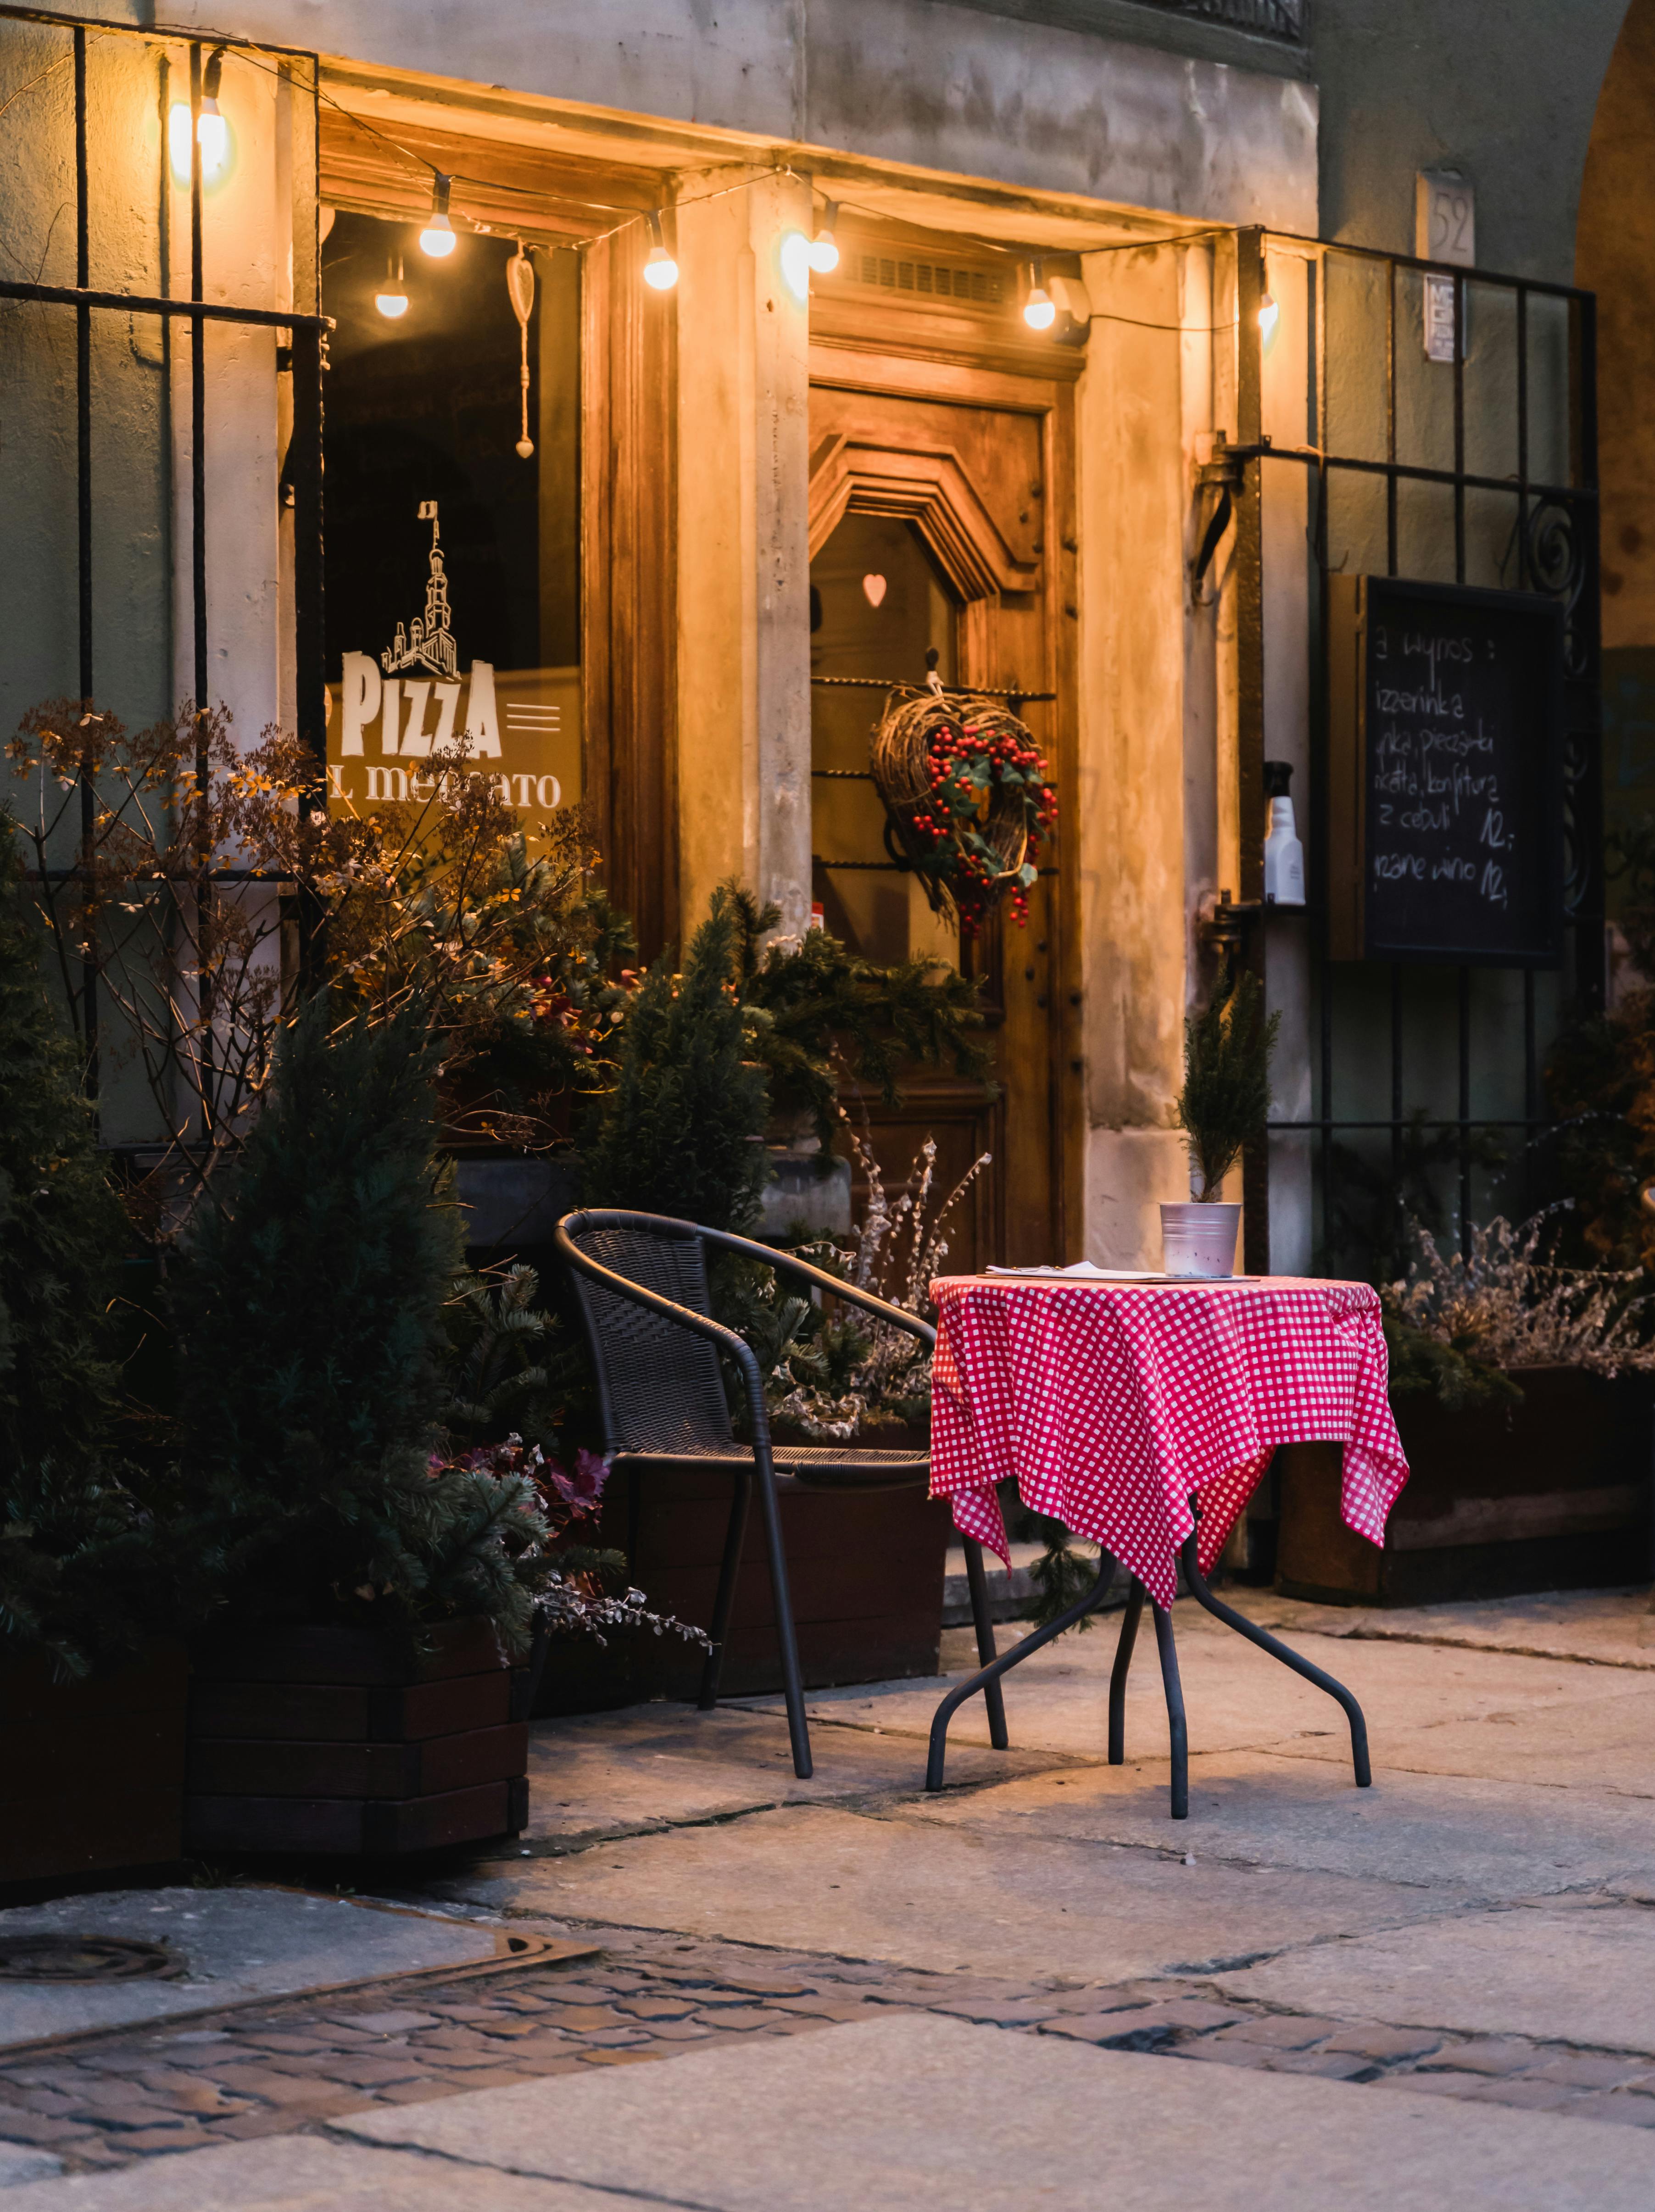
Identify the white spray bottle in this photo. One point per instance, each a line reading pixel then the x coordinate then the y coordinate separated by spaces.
pixel 1284 856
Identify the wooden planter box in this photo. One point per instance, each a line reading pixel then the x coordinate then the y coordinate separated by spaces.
pixel 1551 1494
pixel 867 1576
pixel 329 1740
pixel 91 1772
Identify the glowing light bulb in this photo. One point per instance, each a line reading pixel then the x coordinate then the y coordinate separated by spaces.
pixel 214 134
pixel 437 239
pixel 1039 310
pixel 660 270
pixel 794 254
pixel 390 300
pixel 211 133
pixel 1269 314
pixel 824 247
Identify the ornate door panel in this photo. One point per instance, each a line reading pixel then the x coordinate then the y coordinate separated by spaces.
pixel 931 527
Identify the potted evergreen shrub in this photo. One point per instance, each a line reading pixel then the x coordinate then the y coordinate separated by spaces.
pixel 709 1057
pixel 92 1684
pixel 1222 1107
pixel 365 1684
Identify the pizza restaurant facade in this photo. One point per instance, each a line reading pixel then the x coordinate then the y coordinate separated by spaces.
pixel 644 401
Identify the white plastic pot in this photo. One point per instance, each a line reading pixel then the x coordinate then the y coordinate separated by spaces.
pixel 1199 1240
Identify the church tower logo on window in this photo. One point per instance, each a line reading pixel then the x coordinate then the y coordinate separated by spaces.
pixel 406 705
pixel 397 709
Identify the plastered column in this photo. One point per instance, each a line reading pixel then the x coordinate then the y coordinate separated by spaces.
pixel 246 261
pixel 1147 804
pixel 743 555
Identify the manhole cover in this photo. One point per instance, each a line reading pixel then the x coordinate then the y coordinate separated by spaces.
pixel 84 1958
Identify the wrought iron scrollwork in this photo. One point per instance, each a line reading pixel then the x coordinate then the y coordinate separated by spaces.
pixel 1554 562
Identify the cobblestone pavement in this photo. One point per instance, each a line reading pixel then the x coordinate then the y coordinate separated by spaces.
pixel 104 2099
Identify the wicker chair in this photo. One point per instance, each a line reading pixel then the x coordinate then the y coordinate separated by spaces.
pixel 641 1281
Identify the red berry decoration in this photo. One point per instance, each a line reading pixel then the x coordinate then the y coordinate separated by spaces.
pixel 970 803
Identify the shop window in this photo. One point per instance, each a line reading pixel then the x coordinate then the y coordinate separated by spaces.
pixel 878 606
pixel 453 556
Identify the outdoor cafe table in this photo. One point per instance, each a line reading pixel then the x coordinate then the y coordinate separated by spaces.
pixel 1142 1414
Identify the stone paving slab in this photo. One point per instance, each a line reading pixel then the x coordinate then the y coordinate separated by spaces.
pixel 1016 1902
pixel 245 1941
pixel 299 2173
pixel 1580 1974
pixel 1489 1840
pixel 913 2111
pixel 20 2163
pixel 1427 1708
pixel 657 1765
pixel 155 2091
pixel 1604 1628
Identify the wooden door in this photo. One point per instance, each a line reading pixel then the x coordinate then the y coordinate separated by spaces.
pixel 931 524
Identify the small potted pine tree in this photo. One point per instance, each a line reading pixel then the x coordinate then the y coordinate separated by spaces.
pixel 1223 1106
pixel 362 1685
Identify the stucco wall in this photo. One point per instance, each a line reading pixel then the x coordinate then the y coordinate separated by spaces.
pixel 952 89
pixel 1617 259
pixel 1504 90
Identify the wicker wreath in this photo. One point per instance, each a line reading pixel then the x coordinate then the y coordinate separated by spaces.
pixel 966 798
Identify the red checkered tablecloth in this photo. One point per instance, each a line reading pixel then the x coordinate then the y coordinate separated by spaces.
pixel 1110 1403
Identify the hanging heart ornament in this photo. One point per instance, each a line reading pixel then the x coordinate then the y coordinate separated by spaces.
pixel 873 589
pixel 519 284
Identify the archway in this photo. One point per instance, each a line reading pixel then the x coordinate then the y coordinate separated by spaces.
pixel 1615 257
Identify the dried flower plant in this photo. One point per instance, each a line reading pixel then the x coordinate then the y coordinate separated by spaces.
pixel 862 1368
pixel 1507 1305
pixel 184 885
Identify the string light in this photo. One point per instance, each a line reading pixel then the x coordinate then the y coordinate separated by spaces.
pixel 1039 310
pixel 390 300
pixel 437 239
pixel 212 132
pixel 824 247
pixel 794 254
pixel 659 269
pixel 208 129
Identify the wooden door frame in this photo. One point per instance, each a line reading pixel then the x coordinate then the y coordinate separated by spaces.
pixel 628 582
pixel 844 360
pixel 628 461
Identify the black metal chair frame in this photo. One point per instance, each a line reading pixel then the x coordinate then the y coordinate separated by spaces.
pixel 1177 1731
pixel 759 1455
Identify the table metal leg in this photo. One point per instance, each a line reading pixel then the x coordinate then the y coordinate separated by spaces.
pixel 1177 1731
pixel 989 1677
pixel 1134 1606
pixel 977 1583
pixel 1266 1642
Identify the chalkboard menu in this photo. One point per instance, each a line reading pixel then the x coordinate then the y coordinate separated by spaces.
pixel 1445 784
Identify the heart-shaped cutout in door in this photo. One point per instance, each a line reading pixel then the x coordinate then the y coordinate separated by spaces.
pixel 873 589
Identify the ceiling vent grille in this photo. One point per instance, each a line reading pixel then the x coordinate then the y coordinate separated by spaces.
pixel 934 280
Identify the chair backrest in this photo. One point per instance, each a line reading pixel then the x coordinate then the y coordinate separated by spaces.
pixel 658 1383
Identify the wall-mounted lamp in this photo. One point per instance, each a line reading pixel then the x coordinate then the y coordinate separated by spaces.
pixel 210 131
pixel 1039 310
pixel 824 247
pixel 659 269
pixel 391 298
pixel 437 239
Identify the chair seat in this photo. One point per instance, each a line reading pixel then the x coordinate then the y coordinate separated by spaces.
pixel 811 1466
